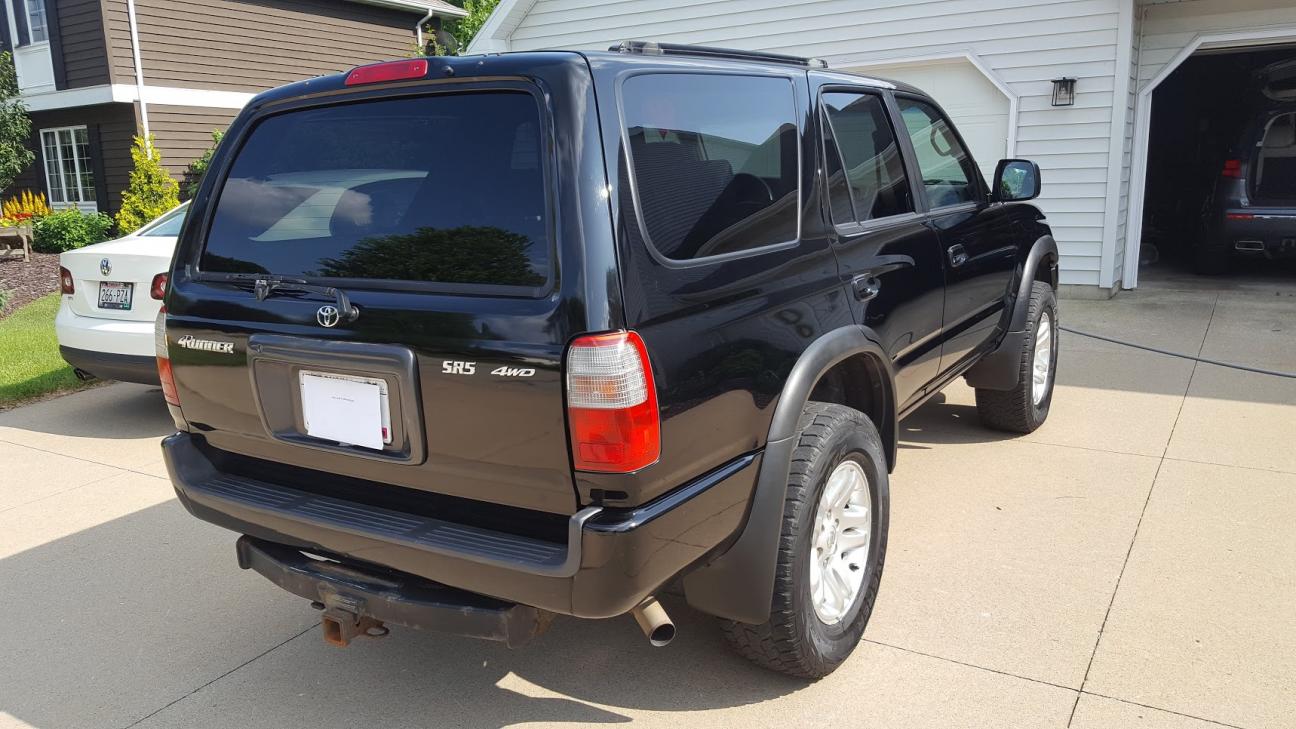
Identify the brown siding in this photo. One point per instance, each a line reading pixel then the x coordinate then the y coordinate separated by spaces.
pixel 251 45
pixel 183 133
pixel 81 31
pixel 116 123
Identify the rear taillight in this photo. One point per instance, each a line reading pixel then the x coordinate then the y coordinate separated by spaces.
pixel 157 289
pixel 1239 216
pixel 1232 169
pixel 612 404
pixel 164 359
pixel 388 71
pixel 66 285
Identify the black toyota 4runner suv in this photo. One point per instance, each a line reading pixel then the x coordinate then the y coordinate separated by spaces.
pixel 463 343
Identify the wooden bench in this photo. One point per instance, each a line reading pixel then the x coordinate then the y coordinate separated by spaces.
pixel 16 241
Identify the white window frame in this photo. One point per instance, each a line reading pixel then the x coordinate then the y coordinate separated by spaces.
pixel 45 20
pixel 90 205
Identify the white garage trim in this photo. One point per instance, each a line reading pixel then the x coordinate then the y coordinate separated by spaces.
pixel 1143 126
pixel 970 57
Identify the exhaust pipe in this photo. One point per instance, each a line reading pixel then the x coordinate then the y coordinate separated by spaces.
pixel 654 622
pixel 82 374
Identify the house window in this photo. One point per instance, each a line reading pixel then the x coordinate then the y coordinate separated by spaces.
pixel 37 24
pixel 69 174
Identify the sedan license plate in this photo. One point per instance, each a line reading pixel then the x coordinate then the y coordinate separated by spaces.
pixel 115 295
pixel 345 408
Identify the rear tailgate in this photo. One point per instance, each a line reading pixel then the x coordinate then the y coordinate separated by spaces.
pixel 432 213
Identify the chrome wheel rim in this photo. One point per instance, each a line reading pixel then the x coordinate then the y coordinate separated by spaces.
pixel 839 552
pixel 1043 361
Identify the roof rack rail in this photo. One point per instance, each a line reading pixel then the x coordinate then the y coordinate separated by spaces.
pixel 653 48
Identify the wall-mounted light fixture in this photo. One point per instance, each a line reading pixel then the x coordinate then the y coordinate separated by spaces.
pixel 1063 91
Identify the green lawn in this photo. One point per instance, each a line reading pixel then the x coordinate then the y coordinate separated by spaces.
pixel 30 364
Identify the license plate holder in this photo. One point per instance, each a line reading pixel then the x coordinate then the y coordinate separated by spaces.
pixel 116 295
pixel 347 409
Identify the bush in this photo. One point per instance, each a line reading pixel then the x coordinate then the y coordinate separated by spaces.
pixel 152 190
pixel 69 229
pixel 194 173
pixel 15 125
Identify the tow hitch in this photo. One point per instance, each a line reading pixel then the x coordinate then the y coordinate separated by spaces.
pixel 341 625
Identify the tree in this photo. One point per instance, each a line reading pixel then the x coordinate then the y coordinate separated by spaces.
pixel 152 190
pixel 15 125
pixel 466 28
pixel 194 174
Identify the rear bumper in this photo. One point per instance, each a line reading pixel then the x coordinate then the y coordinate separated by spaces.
pixel 1261 235
pixel 110 336
pixel 612 560
pixel 109 366
pixel 393 598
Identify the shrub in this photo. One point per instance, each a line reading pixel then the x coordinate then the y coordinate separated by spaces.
pixel 152 190
pixel 15 125
pixel 24 208
pixel 194 173
pixel 5 294
pixel 69 229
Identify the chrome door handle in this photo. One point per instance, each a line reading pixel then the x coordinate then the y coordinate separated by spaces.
pixel 957 255
pixel 866 286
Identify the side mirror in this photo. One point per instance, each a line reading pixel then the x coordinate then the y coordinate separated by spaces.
pixel 1016 180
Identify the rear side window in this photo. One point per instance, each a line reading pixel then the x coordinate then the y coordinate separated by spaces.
pixel 866 177
pixel 714 160
pixel 446 188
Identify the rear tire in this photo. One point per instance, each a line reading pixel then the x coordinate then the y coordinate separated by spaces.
pixel 1025 408
pixel 834 441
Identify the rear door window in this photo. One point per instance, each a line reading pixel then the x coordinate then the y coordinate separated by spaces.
pixel 446 189
pixel 866 175
pixel 715 161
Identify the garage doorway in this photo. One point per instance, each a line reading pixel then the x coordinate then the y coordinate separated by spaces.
pixel 1221 157
pixel 979 108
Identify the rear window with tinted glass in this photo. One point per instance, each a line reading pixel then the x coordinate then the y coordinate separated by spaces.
pixel 715 160
pixel 444 189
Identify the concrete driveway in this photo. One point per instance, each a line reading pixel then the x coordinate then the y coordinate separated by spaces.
pixel 1132 564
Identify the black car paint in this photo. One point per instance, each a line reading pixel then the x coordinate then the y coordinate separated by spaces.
pixel 737 343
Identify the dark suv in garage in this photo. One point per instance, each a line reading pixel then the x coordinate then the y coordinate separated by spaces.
pixel 1252 210
pixel 463 343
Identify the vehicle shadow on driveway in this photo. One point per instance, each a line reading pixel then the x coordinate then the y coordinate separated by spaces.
pixel 118 411
pixel 148 615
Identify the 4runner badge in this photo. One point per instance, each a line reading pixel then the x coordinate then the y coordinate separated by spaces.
pixel 189 341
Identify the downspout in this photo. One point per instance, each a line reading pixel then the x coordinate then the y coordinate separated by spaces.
pixel 139 70
pixel 418 31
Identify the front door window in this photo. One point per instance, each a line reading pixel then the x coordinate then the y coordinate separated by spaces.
pixel 69 174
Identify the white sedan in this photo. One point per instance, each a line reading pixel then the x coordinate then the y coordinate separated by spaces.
pixel 112 292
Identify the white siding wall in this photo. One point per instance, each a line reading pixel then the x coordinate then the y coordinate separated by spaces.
pixel 1026 42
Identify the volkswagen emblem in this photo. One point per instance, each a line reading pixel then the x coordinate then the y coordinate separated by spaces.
pixel 327 316
pixel 105 267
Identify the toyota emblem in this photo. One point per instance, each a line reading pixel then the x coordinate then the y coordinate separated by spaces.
pixel 105 267
pixel 327 316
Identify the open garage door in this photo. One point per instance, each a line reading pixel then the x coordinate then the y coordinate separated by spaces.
pixel 978 108
pixel 1220 189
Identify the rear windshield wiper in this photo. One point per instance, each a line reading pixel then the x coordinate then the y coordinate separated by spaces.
pixel 264 286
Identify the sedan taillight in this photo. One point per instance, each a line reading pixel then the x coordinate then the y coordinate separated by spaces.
pixel 66 284
pixel 158 288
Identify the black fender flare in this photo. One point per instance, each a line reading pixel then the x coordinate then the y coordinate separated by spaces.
pixel 999 369
pixel 739 584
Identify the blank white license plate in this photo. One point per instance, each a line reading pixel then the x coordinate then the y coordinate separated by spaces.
pixel 347 409
pixel 115 295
